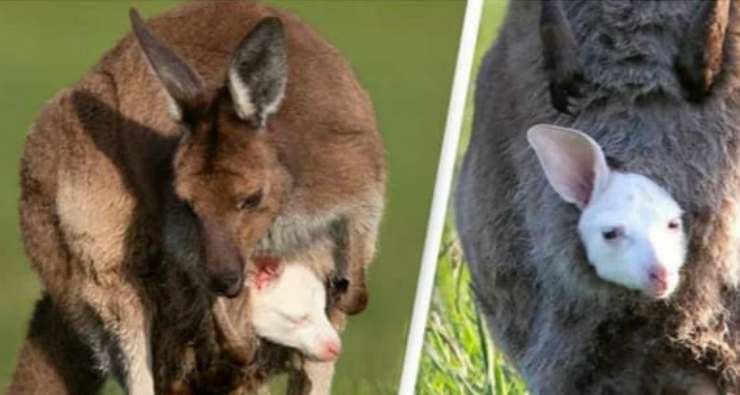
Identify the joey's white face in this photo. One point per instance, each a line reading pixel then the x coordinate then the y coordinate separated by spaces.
pixel 633 235
pixel 289 309
pixel 631 227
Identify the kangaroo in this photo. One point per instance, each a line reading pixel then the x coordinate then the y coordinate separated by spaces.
pixel 150 151
pixel 654 84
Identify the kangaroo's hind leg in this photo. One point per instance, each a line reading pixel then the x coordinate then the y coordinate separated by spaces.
pixel 54 360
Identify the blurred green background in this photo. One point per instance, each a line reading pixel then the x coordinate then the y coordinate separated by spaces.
pixel 404 53
pixel 458 357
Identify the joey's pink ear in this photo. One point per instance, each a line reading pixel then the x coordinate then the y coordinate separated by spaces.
pixel 267 270
pixel 573 162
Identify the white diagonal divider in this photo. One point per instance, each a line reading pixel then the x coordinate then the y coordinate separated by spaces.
pixel 441 197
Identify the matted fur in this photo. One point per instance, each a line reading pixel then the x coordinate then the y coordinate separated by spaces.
pixel 564 329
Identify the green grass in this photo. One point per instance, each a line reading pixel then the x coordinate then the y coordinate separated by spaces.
pixel 404 54
pixel 458 356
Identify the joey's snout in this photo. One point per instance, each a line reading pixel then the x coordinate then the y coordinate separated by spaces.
pixel 658 277
pixel 331 349
pixel 660 281
pixel 325 347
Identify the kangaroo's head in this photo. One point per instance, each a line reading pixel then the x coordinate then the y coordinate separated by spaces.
pixel 225 168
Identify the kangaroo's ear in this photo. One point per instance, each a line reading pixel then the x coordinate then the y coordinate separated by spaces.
pixel 573 162
pixel 258 72
pixel 184 85
pixel 701 54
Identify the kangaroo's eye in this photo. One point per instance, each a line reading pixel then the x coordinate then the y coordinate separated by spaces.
pixel 674 224
pixel 614 233
pixel 251 202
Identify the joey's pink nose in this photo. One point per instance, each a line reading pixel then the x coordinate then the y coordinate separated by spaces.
pixel 332 349
pixel 658 278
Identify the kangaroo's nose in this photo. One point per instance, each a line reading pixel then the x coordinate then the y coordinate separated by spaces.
pixel 228 284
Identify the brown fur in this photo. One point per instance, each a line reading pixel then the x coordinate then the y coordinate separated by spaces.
pixel 47 366
pixel 700 60
pixel 106 172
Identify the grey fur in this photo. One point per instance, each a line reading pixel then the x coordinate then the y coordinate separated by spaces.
pixel 560 55
pixel 563 328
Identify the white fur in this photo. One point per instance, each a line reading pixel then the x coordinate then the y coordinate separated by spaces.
pixel 139 376
pixel 173 108
pixel 642 211
pixel 240 93
pixel 320 375
pixel 291 310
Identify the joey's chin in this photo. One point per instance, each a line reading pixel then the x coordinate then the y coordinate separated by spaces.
pixel 317 358
pixel 328 352
pixel 659 293
pixel 322 357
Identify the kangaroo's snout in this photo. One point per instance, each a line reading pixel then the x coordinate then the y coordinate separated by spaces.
pixel 228 283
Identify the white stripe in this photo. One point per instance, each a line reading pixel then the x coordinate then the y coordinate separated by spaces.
pixel 441 196
pixel 241 95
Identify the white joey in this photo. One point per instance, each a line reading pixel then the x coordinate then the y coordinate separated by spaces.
pixel 288 307
pixel 630 226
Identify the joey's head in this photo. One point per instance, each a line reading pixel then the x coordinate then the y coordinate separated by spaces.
pixel 630 227
pixel 226 170
pixel 288 307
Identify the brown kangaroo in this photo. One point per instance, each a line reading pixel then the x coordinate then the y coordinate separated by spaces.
pixel 251 135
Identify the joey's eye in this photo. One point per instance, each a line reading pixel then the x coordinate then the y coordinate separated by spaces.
pixel 674 224
pixel 251 202
pixel 298 320
pixel 612 233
